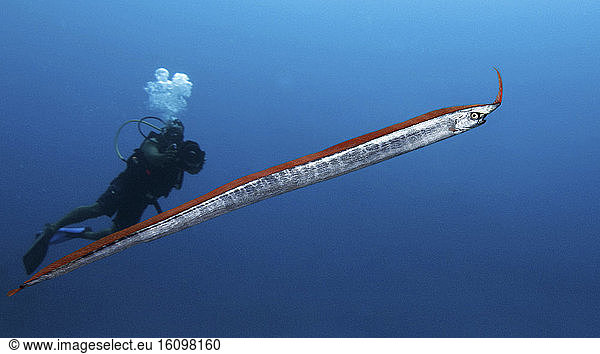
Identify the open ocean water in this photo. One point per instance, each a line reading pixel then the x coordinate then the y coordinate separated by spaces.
pixel 494 233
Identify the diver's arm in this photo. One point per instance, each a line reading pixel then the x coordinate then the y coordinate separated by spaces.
pixel 154 156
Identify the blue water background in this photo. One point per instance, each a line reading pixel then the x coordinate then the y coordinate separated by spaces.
pixel 492 233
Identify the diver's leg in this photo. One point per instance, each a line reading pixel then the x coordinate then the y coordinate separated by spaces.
pixel 80 214
pixel 106 204
pixel 128 214
pixel 91 235
pixel 76 215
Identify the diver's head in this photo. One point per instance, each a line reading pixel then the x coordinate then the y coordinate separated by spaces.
pixel 173 131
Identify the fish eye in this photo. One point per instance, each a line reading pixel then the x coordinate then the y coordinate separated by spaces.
pixel 474 115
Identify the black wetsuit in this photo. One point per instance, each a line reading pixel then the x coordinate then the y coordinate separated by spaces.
pixel 139 186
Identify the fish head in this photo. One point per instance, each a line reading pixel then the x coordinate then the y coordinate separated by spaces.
pixel 473 116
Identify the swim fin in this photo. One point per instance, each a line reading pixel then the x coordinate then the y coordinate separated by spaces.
pixel 35 255
pixel 67 233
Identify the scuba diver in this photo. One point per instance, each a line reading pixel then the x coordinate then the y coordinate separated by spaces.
pixel 152 171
